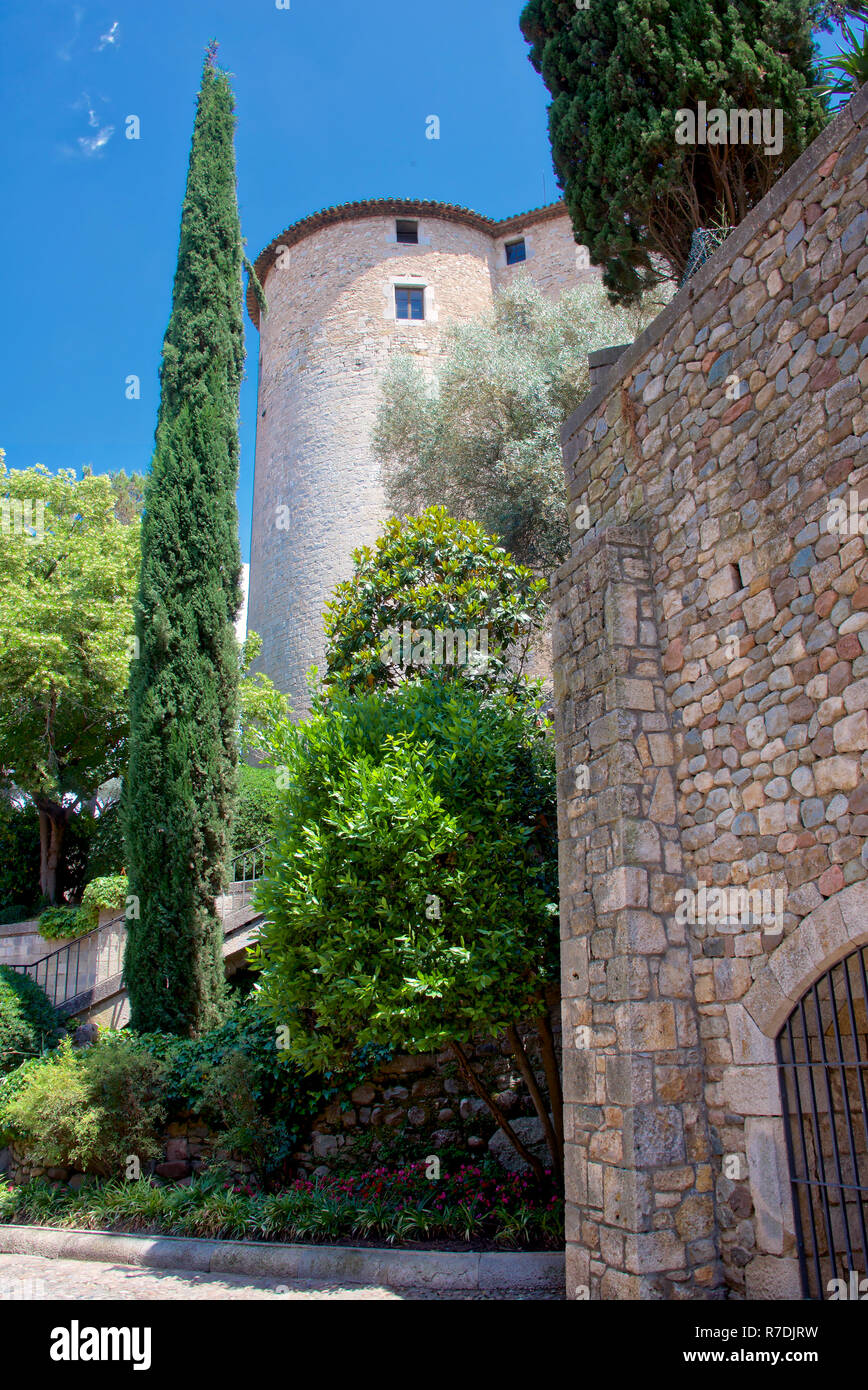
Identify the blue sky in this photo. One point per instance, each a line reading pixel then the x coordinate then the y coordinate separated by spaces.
pixel 332 97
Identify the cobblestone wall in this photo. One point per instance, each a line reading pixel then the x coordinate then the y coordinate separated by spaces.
pixel 711 669
pixel 408 1109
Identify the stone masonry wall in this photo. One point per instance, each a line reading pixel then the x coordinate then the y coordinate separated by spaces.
pixel 410 1108
pixel 711 459
pixel 638 1150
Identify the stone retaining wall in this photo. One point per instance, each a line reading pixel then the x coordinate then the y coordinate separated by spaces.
pixel 412 1107
pixel 711 674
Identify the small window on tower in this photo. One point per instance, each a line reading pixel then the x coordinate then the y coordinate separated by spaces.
pixel 407 231
pixel 515 252
pixel 409 302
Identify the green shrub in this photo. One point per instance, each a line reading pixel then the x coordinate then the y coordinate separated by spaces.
pixel 257 808
pixel 412 897
pixel 19 856
pixel 103 895
pixel 236 1079
pixel 18 912
pixel 231 1076
pixel 59 923
pixel 89 1108
pixel 28 1022
pixel 106 851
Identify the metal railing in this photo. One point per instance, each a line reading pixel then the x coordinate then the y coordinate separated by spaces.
pixel 98 956
pixel 82 964
pixel 247 868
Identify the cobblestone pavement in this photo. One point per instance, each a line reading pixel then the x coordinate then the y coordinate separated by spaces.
pixel 37 1277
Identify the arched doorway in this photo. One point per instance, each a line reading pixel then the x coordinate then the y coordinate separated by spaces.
pixel 822 1054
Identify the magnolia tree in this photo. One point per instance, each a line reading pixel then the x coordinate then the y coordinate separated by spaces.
pixel 433 596
pixel 68 570
pixel 483 436
pixel 412 897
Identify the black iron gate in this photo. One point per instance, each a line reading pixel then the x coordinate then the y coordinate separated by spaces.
pixel 823 1066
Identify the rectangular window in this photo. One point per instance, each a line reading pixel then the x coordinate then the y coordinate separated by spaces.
pixel 407 231
pixel 409 302
pixel 515 252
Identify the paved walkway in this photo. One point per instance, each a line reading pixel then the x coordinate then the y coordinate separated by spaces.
pixel 35 1276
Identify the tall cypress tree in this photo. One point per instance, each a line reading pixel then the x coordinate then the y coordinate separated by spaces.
pixel 180 786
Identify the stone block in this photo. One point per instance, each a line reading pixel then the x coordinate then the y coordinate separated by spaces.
pixel 620 887
pixel 654 1136
pixel 765 1151
pixel 752 1090
pixel 772 1278
pixel 646 1027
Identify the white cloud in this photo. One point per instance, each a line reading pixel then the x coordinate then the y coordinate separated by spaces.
pixel 109 39
pixel 92 144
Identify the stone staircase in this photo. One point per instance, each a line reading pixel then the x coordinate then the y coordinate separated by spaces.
pixel 83 977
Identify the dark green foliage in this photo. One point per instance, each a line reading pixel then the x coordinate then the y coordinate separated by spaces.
pixel 90 1108
pixel 257 808
pixel 76 854
pixel 18 912
pixel 84 844
pixel 618 72
pixel 235 1078
pixel 180 787
pixel 107 851
pixel 19 856
pixel 28 1022
pixel 412 896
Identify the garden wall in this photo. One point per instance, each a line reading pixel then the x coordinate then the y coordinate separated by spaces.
pixel 410 1108
pixel 710 646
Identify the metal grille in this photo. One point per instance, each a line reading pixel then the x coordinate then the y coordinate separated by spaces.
pixel 823 1065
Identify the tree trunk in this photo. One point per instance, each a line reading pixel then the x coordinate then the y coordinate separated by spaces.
pixel 52 830
pixel 474 1081
pixel 539 1103
pixel 553 1074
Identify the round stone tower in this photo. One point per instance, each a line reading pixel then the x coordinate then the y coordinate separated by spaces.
pixel 345 289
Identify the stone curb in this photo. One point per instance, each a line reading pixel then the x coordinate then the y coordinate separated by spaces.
pixel 347 1264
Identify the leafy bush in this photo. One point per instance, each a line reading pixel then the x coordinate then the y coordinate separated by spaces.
pixel 18 912
pixel 474 1204
pixel 88 1108
pixel 102 895
pixel 19 856
pixel 59 923
pixel 430 575
pixel 28 1022
pixel 257 808
pixel 411 901
pixel 236 1079
pixel 106 851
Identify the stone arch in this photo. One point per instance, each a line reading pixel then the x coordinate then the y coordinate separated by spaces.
pixel 752 1088
pixel 821 939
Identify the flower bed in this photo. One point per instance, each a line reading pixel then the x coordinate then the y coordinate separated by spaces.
pixel 397 1207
